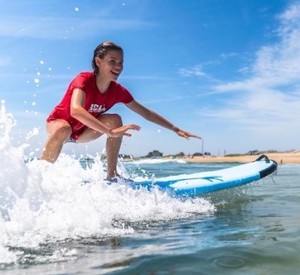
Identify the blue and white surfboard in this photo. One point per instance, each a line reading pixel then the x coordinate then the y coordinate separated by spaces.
pixel 204 182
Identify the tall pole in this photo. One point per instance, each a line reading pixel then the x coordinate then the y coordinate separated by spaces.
pixel 202 147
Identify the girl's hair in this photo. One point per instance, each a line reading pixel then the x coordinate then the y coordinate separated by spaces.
pixel 101 50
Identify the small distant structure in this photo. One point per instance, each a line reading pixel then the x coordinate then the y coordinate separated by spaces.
pixel 204 154
pixel 125 157
pixel 154 154
pixel 180 155
pixel 253 152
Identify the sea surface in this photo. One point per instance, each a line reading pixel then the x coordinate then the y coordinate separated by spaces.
pixel 63 219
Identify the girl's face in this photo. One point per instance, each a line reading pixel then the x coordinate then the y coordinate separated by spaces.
pixel 111 65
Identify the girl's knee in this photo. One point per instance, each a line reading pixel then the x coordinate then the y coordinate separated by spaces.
pixel 117 120
pixel 111 120
pixel 63 132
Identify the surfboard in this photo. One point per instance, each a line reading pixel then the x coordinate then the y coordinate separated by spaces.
pixel 197 184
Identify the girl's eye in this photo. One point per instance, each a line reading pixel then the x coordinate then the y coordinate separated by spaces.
pixel 114 62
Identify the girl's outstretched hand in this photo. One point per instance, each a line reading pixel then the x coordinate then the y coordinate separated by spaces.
pixel 123 130
pixel 186 134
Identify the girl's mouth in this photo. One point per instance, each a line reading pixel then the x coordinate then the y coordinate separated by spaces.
pixel 115 74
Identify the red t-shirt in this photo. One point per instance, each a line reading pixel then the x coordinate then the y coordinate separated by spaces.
pixel 96 103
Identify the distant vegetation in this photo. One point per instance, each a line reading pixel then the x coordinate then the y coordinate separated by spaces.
pixel 254 152
pixel 158 154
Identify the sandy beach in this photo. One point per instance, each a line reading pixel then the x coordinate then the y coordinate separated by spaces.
pixel 280 158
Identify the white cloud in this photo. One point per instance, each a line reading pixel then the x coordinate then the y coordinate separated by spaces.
pixel 229 55
pixel 62 27
pixel 291 14
pixel 267 102
pixel 194 71
pixel 275 65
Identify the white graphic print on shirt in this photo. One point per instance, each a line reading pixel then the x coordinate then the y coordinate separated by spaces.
pixel 95 108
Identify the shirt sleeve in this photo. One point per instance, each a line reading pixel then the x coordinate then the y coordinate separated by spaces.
pixel 124 95
pixel 80 81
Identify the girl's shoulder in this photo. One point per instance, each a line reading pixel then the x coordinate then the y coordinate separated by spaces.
pixel 85 75
pixel 82 79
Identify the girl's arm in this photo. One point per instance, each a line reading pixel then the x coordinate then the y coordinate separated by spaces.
pixel 158 119
pixel 77 111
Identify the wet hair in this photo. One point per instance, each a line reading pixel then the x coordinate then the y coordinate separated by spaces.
pixel 101 50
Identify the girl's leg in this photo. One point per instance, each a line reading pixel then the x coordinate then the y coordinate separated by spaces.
pixel 113 144
pixel 58 132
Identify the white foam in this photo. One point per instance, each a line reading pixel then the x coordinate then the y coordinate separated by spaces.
pixel 42 202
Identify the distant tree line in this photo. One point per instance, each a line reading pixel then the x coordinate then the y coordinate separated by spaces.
pixel 158 154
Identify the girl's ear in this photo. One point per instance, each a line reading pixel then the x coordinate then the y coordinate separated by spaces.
pixel 98 61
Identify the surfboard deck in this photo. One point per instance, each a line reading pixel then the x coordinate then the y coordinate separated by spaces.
pixel 205 182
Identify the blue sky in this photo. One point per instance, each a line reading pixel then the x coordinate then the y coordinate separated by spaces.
pixel 225 70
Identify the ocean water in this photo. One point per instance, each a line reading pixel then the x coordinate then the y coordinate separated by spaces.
pixel 62 219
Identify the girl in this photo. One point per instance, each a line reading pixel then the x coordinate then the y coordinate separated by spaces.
pixel 81 115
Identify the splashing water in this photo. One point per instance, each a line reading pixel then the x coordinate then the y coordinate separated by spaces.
pixel 42 202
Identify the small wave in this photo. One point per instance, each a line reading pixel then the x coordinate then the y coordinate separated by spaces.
pixel 157 161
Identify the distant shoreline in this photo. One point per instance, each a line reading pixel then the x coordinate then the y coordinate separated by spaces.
pixel 280 158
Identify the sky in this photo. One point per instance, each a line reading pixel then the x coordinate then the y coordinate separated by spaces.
pixel 228 71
